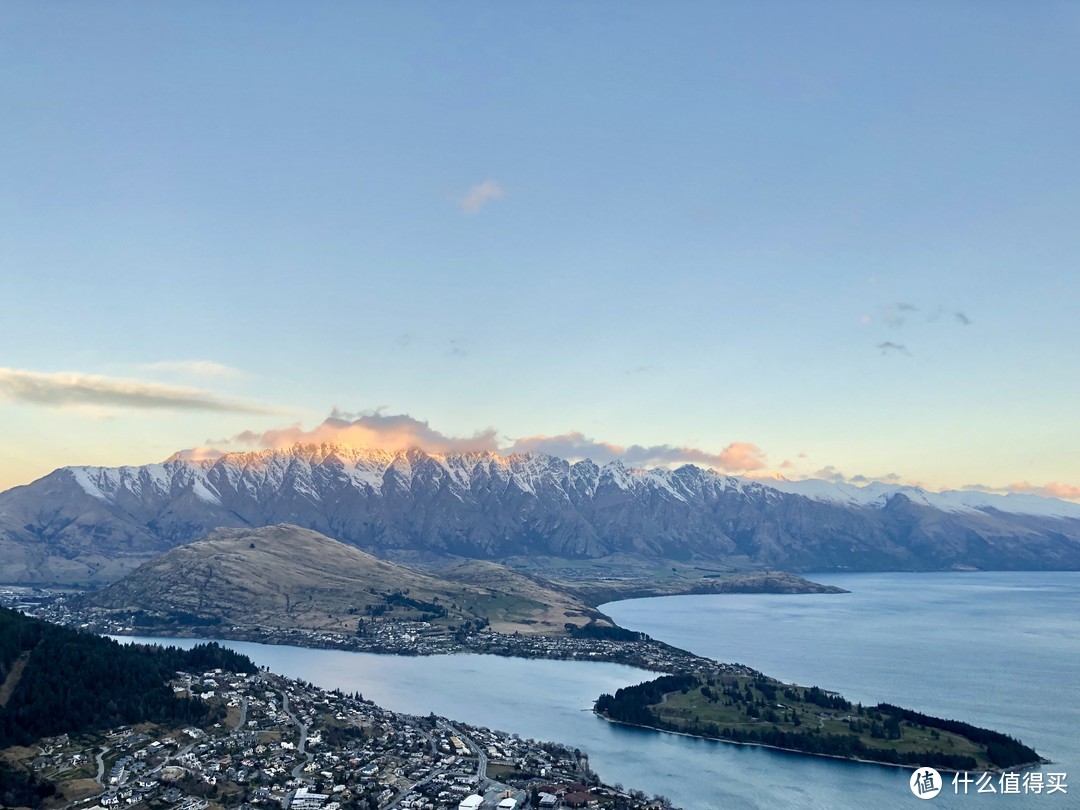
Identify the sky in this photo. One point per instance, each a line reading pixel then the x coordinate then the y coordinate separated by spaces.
pixel 831 239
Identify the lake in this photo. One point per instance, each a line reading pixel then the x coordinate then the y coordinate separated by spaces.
pixel 995 649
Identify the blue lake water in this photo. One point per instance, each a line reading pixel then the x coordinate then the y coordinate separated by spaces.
pixel 1000 650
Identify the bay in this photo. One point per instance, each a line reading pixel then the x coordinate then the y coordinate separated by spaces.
pixel 1001 650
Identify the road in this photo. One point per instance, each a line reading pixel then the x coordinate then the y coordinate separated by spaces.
pixel 481 765
pixel 301 747
pixel 101 766
pixel 243 716
pixel 481 756
pixel 413 787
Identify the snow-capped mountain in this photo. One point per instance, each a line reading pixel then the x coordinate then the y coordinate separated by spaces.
pixel 83 523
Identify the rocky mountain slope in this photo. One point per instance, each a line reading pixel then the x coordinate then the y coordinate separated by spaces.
pixel 286 577
pixel 91 524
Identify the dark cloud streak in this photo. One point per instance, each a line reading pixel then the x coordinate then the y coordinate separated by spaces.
pixel 67 389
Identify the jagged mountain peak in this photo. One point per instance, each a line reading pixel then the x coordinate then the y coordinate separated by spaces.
pixel 528 470
pixel 78 521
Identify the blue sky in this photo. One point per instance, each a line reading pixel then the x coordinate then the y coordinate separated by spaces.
pixel 843 233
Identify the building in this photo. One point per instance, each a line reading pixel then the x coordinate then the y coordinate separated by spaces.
pixel 305 800
pixel 473 802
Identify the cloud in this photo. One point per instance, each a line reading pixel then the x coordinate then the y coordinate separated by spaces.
pixel 888 478
pixel 480 195
pixel 736 457
pixel 201 368
pixel 829 473
pixel 373 430
pixel 200 453
pixel 896 315
pixel 72 389
pixel 833 475
pixel 888 346
pixel 1053 489
pixel 395 432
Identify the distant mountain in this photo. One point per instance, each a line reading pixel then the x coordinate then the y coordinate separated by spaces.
pixel 82 524
pixel 286 577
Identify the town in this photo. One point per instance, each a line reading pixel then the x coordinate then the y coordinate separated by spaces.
pixel 292 745
pixel 391 636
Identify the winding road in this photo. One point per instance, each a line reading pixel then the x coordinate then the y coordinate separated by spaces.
pixel 301 747
pixel 101 766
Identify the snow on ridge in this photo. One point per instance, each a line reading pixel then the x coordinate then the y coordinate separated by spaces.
pixel 367 469
pixel 88 485
pixel 1013 502
pixel 203 492
pixel 877 494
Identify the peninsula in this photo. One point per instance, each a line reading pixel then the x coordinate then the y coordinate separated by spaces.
pixel 750 708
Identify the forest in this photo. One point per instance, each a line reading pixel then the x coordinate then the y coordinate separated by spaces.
pixel 56 680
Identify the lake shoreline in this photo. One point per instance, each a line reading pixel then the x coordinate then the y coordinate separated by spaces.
pixel 1015 768
pixel 699 664
pixel 553 700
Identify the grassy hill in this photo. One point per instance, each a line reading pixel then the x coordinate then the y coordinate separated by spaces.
pixel 291 578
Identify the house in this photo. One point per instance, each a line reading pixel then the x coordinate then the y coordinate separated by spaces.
pixel 578 799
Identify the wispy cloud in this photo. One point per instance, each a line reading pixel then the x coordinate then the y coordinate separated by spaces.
pixel 888 347
pixel 480 195
pixel 198 368
pixel 830 473
pixel 1051 489
pixel 897 314
pixel 900 313
pixel 73 389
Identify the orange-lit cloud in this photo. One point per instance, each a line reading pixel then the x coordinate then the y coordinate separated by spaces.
pixel 1053 489
pixel 396 432
pixel 73 389
pixel 200 453
pixel 376 431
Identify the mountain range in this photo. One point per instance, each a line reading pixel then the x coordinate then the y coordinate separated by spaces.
pixel 93 524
